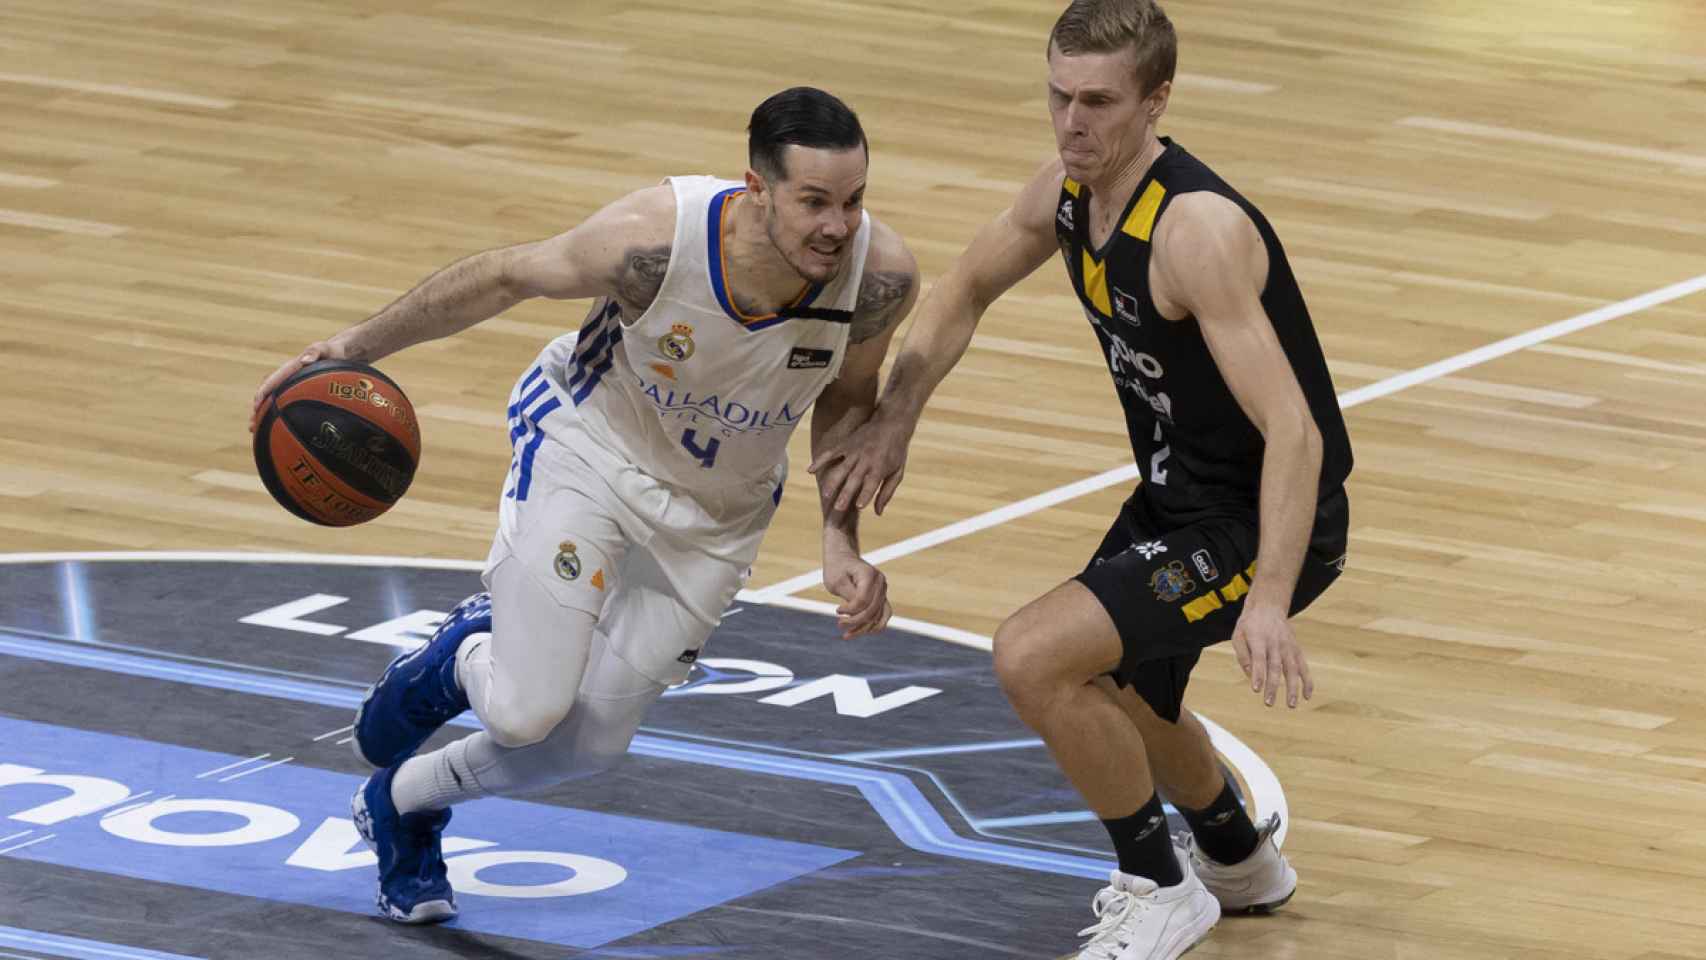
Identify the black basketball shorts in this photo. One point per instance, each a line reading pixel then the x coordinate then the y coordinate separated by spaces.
pixel 1171 593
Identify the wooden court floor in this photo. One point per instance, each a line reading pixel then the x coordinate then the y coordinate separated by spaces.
pixel 1506 757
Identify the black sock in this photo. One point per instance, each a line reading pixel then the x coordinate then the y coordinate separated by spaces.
pixel 1223 829
pixel 1144 846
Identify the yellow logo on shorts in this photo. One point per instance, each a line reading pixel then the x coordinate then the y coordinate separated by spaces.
pixel 678 343
pixel 568 565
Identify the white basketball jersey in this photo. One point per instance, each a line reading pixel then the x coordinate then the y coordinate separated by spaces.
pixel 694 392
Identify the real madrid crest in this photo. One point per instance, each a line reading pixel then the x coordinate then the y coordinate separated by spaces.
pixel 1171 582
pixel 568 564
pixel 677 344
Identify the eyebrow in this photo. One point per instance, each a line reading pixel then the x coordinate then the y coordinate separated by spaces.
pixel 1103 91
pixel 813 188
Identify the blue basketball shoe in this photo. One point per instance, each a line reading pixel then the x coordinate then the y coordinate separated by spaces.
pixel 414 886
pixel 418 692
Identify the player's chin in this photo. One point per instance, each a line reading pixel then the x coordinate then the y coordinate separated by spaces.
pixel 820 267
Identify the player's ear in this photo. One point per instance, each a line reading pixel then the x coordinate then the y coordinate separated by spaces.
pixel 756 188
pixel 1156 103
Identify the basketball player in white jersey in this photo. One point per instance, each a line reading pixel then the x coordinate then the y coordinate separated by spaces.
pixel 649 455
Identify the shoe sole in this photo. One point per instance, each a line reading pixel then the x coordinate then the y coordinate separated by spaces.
pixel 1202 935
pixel 429 911
pixel 1257 909
pixel 425 912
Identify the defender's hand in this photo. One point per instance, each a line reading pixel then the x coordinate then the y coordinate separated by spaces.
pixel 866 466
pixel 1268 651
pixel 323 350
pixel 864 592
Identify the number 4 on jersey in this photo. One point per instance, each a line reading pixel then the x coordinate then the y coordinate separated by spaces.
pixel 707 454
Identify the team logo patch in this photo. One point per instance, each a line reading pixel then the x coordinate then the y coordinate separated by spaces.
pixel 568 564
pixel 1125 307
pixel 1150 550
pixel 805 358
pixel 1065 214
pixel 1172 582
pixel 688 656
pixel 677 344
pixel 1205 566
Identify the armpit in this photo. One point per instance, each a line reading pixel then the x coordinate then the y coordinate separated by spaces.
pixel 641 276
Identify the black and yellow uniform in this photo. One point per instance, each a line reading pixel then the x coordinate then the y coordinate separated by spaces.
pixel 1173 570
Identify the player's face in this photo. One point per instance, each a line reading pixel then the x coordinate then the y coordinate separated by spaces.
pixel 1101 118
pixel 815 209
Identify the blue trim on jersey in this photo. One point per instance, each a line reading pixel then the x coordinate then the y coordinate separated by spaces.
pixel 532 375
pixel 714 265
pixel 594 371
pixel 714 234
pixel 513 412
pixel 525 480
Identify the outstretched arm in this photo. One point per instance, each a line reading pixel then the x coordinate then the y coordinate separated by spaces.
pixel 886 294
pixel 868 467
pixel 619 251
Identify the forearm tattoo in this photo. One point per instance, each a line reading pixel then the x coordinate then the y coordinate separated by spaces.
pixel 641 276
pixel 880 295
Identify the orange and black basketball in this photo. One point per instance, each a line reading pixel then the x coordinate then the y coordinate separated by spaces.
pixel 337 443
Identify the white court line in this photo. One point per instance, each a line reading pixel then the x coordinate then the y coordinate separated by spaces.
pixel 264 766
pixel 230 765
pixel 1360 395
pixel 15 836
pixel 29 843
pixel 333 733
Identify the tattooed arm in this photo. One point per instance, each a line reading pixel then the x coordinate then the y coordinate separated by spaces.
pixel 886 293
pixel 621 251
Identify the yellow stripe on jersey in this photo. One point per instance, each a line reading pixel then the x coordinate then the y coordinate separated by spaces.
pixel 1096 283
pixel 1142 220
pixel 1071 186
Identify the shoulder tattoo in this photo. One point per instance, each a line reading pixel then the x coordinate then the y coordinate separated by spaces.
pixel 881 293
pixel 641 275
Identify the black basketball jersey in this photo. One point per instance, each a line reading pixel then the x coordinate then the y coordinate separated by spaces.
pixel 1199 455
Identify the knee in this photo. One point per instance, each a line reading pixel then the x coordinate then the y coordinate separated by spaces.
pixel 523 725
pixel 1022 667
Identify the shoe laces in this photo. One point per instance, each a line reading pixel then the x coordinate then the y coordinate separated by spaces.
pixel 1110 933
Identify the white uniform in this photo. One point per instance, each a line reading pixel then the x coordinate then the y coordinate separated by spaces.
pixel 650 452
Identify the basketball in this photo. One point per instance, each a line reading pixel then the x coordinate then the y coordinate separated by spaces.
pixel 337 443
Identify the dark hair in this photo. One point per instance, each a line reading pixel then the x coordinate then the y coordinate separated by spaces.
pixel 1109 26
pixel 802 116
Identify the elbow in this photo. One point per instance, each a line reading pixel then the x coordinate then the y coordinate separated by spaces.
pixel 512 272
pixel 1298 433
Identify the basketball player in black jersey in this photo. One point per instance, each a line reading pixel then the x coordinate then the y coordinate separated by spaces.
pixel 1235 428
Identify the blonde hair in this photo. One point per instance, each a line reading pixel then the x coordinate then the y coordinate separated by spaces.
pixel 1109 26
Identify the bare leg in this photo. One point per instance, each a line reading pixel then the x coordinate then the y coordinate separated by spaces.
pixel 1047 657
pixel 1181 755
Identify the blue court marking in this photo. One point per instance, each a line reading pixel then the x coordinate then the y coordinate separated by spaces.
pixel 285 836
pixel 80 949
pixel 894 797
pixel 933 751
pixel 1036 819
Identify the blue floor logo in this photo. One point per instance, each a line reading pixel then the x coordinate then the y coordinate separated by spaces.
pixel 210 820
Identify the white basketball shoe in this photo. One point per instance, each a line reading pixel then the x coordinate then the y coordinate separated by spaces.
pixel 1262 883
pixel 1136 920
